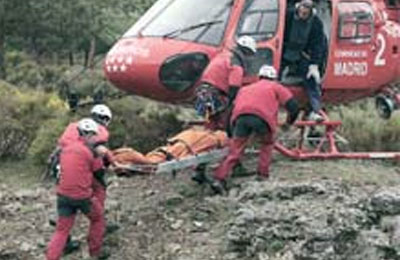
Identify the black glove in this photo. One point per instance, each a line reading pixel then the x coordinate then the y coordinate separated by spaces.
pixel 293 109
pixel 233 90
pixel 106 161
pixel 100 176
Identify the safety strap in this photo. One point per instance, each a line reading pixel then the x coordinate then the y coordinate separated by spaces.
pixel 187 146
pixel 169 156
pixel 217 140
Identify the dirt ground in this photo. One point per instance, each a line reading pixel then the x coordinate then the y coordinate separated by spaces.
pixel 162 217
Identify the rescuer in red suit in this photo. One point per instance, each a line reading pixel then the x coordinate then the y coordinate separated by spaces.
pixel 102 115
pixel 219 85
pixel 75 192
pixel 255 112
pixel 221 81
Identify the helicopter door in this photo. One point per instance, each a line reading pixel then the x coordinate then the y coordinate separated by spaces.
pixel 323 11
pixel 263 21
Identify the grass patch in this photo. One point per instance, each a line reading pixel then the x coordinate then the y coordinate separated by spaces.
pixel 20 174
pixel 365 130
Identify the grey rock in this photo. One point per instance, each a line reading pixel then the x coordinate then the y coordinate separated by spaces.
pixel 386 202
pixel 327 221
pixel 177 224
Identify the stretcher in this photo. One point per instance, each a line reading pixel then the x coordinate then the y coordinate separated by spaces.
pixel 175 165
pixel 189 148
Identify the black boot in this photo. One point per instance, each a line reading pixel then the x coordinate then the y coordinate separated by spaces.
pixel 240 171
pixel 262 177
pixel 71 246
pixel 219 187
pixel 200 174
pixel 111 228
pixel 102 256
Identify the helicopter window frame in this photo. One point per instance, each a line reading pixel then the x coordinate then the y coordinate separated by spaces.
pixel 251 9
pixel 392 4
pixel 357 19
pixel 180 72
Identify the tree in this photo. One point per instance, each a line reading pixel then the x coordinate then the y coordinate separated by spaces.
pixel 2 40
pixel 64 28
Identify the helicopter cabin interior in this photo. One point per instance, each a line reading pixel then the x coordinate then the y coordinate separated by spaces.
pixel 261 21
pixel 354 26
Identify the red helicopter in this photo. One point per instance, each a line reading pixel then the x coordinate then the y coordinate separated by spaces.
pixel 163 55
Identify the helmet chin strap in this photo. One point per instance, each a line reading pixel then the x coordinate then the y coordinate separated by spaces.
pixel 100 121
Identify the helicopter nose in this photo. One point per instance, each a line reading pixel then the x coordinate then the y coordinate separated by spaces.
pixel 160 69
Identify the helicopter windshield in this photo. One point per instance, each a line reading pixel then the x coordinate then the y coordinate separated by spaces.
pixel 185 20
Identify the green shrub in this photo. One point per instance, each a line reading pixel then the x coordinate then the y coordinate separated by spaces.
pixel 46 139
pixel 91 82
pixel 366 131
pixel 23 71
pixel 142 124
pixel 23 112
pixel 13 138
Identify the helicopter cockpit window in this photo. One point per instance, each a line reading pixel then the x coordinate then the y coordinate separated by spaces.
pixel 259 19
pixel 186 20
pixel 355 22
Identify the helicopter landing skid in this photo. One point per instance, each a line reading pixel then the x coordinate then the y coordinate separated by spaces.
pixel 319 140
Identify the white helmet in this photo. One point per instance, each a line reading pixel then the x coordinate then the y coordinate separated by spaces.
pixel 87 126
pixel 101 114
pixel 247 42
pixel 267 71
pixel 305 3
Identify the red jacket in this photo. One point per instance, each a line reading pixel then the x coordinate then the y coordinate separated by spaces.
pixel 77 166
pixel 263 99
pixel 223 71
pixel 71 134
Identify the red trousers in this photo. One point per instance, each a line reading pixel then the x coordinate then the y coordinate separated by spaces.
pixel 236 150
pixel 64 225
pixel 99 192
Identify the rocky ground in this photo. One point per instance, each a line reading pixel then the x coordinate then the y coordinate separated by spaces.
pixel 308 210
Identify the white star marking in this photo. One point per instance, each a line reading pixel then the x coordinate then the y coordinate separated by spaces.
pixel 129 60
